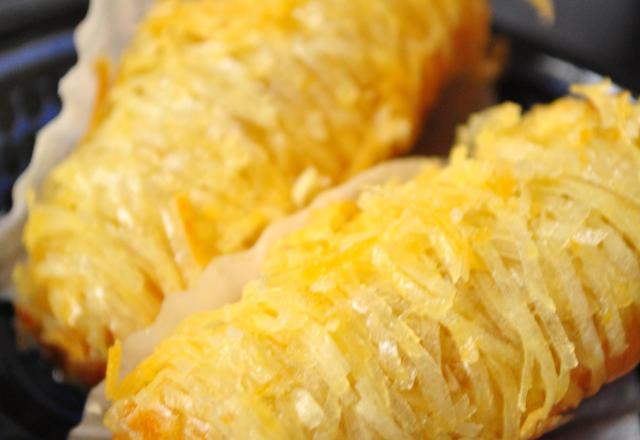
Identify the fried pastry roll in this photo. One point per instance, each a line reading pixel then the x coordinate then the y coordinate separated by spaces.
pixel 223 116
pixel 481 299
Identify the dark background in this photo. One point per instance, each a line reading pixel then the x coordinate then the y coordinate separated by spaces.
pixel 602 35
pixel 36 49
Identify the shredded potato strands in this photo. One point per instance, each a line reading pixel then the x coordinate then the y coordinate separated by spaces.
pixel 478 300
pixel 223 116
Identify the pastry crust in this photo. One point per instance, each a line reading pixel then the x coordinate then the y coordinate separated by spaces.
pixel 484 299
pixel 220 118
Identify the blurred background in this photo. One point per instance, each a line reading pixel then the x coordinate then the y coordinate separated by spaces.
pixel 589 38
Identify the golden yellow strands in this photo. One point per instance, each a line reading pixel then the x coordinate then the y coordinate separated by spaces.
pixel 479 300
pixel 223 116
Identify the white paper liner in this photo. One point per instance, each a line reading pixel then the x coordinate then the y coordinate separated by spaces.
pixel 105 31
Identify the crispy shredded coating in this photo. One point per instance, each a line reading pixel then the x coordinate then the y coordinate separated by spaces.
pixel 477 300
pixel 222 117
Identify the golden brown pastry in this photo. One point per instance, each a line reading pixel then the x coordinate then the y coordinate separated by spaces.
pixel 223 116
pixel 482 299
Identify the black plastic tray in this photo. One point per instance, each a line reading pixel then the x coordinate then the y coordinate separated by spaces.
pixel 36 50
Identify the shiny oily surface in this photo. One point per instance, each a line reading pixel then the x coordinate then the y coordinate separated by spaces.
pixel 221 117
pixel 478 300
